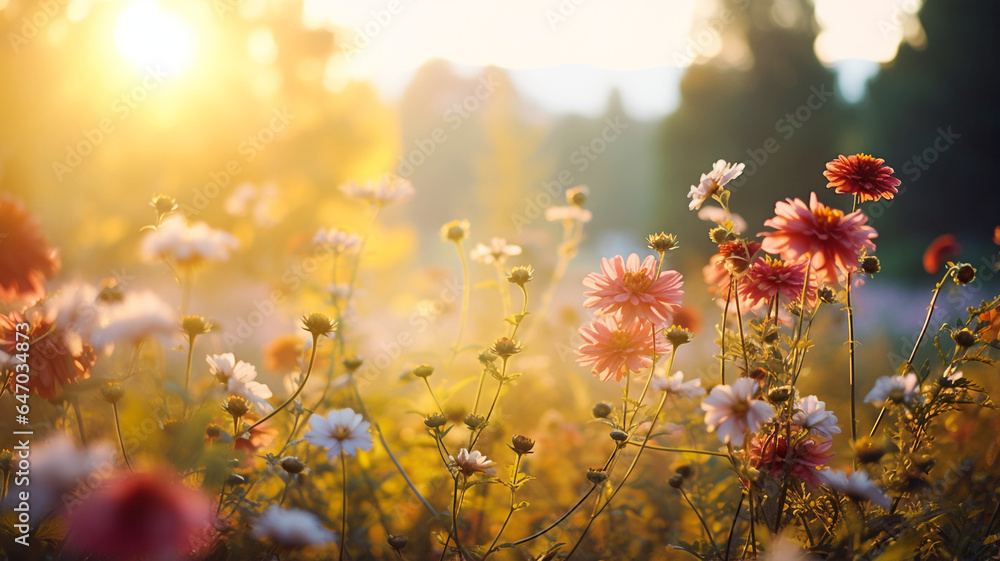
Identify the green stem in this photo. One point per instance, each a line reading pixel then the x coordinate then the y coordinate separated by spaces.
pixel 850 365
pixel 702 520
pixel 79 420
pixel 343 531
pixel 739 321
pixel 305 379
pixel 434 397
pixel 121 441
pixel 680 450
pixel 722 335
pixel 510 512
pixel 465 297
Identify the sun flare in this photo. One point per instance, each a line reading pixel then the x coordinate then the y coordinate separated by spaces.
pixel 148 35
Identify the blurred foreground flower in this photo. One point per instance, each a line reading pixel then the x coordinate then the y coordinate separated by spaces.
pixel 52 362
pixel 291 528
pixel 862 175
pixel 676 386
pixel 768 453
pixel 720 217
pixel 58 469
pixel 831 239
pixel 384 190
pixel 342 430
pixel 939 251
pixel 25 257
pixel 901 389
pixel 857 486
pixel 337 241
pixel 635 289
pixel 732 411
pixel 139 316
pixel 142 515
pixel 721 174
pixel 187 244
pixel 811 414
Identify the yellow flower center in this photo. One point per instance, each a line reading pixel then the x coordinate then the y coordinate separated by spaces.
pixel 619 341
pixel 636 281
pixel 341 432
pixel 740 408
pixel 827 216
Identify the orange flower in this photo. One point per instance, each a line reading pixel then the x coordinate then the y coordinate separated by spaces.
pixel 282 353
pixel 989 332
pixel 635 289
pixel 939 251
pixel 862 175
pixel 51 362
pixel 25 257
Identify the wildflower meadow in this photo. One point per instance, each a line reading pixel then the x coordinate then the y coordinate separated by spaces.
pixel 309 352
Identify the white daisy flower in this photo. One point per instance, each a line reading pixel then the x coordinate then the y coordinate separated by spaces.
pixel 811 414
pixel 572 213
pixel 721 174
pixel 897 388
pixel 337 240
pixel 291 528
pixel 472 462
pixel 732 411
pixel 498 251
pixel 342 430
pixel 240 379
pixel 75 309
pixel 140 315
pixel 676 386
pixel 187 244
pixel 384 190
pixel 856 486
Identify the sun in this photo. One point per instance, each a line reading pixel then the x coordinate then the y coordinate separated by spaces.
pixel 147 35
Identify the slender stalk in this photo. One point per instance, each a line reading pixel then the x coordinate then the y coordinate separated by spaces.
pixel 701 519
pixel 79 420
pixel 187 373
pixel 187 281
pixel 680 450
pixel 739 321
pixel 645 388
pixel 474 437
pixel 465 297
pixel 434 397
pixel 121 441
pixel 850 365
pixel 722 335
pixel 385 445
pixel 343 526
pixel 524 310
pixel 502 288
pixel 732 527
pixel 305 379
pixel 558 521
pixel 920 338
pixel 510 512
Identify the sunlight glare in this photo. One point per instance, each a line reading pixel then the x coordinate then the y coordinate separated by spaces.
pixel 148 35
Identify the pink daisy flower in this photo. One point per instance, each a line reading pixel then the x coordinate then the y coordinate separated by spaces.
pixel 831 239
pixel 634 289
pixel 769 277
pixel 615 348
pixel 808 456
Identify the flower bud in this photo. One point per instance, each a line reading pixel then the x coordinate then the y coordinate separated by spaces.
pixel 965 274
pixel 676 481
pixel 870 265
pixel 352 363
pixel 684 470
pixel 602 409
pixel 677 335
pixel 292 465
pixel 435 420
pixel 423 371
pixel 520 275
pixel 662 242
pixel 455 231
pixel 213 431
pixel 474 421
pixel 318 324
pixel 195 325
pixel 235 479
pixel 163 204
pixel 596 476
pixel 779 394
pixel 522 444
pixel 397 542
pixel 721 235
pixel 577 195
pixel 112 392
pixel 964 338
pixel 505 348
pixel 827 295
pixel 236 406
pixel 487 356
pixel 618 436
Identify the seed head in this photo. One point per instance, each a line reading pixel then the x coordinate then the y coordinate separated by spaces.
pixel 618 436
pixel 602 409
pixel 434 420
pixel 827 295
pixel 871 265
pixel 677 335
pixel 521 444
pixel 596 476
pixel 318 324
pixel 112 392
pixel 520 275
pixel 194 326
pixel 397 542
pixel 423 370
pixel 963 337
pixel 965 274
pixel 236 406
pixel 455 231
pixel 292 465
pixel 505 347
pixel 662 242
pixel 676 481
pixel 352 363
pixel 163 204
pixel 474 421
